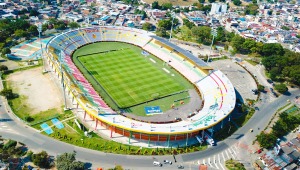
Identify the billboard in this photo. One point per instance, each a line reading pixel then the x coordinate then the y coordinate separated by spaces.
pixel 152 110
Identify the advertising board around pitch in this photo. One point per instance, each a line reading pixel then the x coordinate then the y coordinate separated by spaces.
pixel 153 110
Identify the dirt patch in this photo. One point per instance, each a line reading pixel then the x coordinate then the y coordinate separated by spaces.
pixel 41 92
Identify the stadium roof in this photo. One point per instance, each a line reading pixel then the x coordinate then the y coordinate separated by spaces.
pixel 198 61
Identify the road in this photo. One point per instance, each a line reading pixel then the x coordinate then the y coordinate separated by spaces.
pixel 228 147
pixel 10 127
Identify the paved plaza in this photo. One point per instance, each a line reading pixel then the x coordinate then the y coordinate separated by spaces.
pixel 239 77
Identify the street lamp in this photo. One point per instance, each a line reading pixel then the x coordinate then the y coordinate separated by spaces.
pixel 173 16
pixel 213 33
pixel 42 55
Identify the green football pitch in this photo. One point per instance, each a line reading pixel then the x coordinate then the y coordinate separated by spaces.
pixel 128 77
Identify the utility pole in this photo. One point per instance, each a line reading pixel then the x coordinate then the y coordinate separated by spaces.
pixel 42 54
pixel 173 16
pixel 213 33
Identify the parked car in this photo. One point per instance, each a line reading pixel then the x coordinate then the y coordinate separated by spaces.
pixel 180 166
pixel 254 91
pixel 275 94
pixel 269 81
pixel 167 162
pixel 156 163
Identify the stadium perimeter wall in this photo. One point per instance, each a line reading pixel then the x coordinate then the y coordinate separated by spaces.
pixel 131 132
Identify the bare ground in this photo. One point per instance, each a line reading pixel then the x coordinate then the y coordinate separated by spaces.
pixel 41 92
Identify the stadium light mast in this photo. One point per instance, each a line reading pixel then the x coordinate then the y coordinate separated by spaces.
pixel 40 29
pixel 62 79
pixel 173 16
pixel 214 34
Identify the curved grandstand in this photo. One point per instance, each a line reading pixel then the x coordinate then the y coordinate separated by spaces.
pixel 214 87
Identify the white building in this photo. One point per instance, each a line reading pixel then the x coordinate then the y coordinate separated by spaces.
pixel 218 8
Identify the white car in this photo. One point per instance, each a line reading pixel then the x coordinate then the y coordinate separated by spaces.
pixel 167 162
pixel 156 163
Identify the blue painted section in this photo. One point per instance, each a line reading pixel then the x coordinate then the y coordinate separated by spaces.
pixel 57 123
pixel 152 109
pixel 46 128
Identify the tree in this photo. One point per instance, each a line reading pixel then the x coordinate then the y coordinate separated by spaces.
pixel 237 42
pixel 280 128
pixel 3 68
pixel 251 9
pixel 10 144
pixel 41 159
pixel 20 33
pixel 33 12
pixel 8 93
pixel 155 5
pixel 221 34
pixel 166 6
pixel 205 8
pixel 67 161
pixel 73 25
pixel 211 1
pixel 6 50
pixel 117 167
pixel 167 23
pixel 160 31
pixel 293 73
pixel 261 88
pixel 281 88
pixel 202 34
pixel 270 62
pixel 237 2
pixel 201 1
pixel 143 13
pixel 186 33
pixel 248 45
pixel 285 28
pixel 188 23
pixel 147 26
pixel 33 30
pixel 60 25
pixel 269 49
pixel 266 140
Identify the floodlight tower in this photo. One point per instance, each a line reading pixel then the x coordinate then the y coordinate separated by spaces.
pixel 173 16
pixel 62 79
pixel 213 33
pixel 42 54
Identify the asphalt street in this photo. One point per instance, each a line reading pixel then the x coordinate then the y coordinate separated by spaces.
pixel 10 127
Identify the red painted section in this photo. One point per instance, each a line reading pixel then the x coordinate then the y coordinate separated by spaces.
pixel 220 91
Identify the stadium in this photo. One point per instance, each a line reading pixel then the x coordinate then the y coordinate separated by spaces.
pixel 106 79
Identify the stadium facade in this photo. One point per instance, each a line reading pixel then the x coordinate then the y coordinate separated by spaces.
pixel 214 88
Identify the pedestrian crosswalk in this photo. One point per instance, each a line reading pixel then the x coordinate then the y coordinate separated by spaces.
pixel 217 161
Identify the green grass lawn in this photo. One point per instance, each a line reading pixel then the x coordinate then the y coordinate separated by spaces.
pixel 126 76
pixel 252 62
